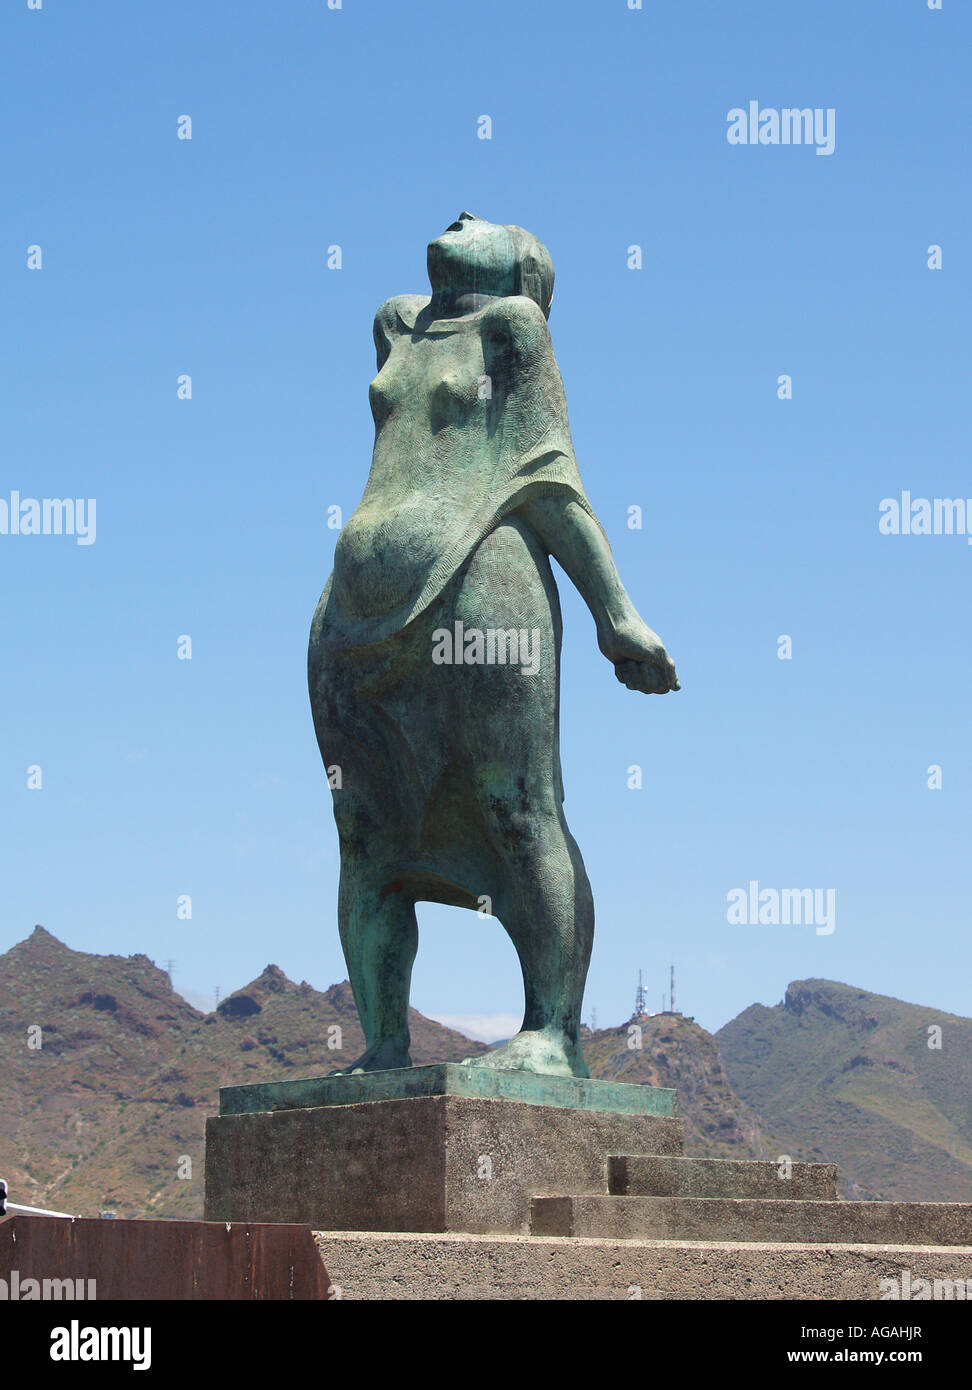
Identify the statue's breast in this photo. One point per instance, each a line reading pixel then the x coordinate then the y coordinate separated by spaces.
pixel 429 380
pixel 455 396
pixel 429 404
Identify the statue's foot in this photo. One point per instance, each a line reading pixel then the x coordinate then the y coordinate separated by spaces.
pixel 383 1056
pixel 546 1051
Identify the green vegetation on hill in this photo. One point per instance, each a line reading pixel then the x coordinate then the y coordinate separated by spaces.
pixel 848 1077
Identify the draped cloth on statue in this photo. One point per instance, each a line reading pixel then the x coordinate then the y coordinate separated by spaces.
pixel 471 424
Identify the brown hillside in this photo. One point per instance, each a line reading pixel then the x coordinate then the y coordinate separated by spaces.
pixel 675 1051
pixel 109 1108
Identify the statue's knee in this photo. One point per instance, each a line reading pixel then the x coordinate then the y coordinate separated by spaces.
pixel 521 828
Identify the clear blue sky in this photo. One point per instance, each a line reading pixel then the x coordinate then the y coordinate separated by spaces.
pixel 312 127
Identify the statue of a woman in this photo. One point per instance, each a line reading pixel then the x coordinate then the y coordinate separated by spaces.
pixel 435 650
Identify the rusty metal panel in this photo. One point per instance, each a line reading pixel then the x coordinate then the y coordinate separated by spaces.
pixel 164 1259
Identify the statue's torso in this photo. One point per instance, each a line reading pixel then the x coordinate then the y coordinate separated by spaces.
pixel 430 409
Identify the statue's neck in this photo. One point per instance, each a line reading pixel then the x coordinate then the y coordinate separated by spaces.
pixel 446 303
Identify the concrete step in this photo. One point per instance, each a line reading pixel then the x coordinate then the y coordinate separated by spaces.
pixel 753 1219
pixel 376 1265
pixel 653 1175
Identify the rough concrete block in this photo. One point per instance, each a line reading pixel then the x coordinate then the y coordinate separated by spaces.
pixel 433 1163
pixel 753 1219
pixel 493 1267
pixel 655 1176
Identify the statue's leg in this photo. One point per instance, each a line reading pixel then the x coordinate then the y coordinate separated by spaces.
pixel 545 904
pixel 379 935
pixel 534 873
pixel 376 912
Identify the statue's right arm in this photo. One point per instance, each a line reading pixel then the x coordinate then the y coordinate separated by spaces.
pixel 575 539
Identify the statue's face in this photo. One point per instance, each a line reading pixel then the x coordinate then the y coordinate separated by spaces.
pixel 473 255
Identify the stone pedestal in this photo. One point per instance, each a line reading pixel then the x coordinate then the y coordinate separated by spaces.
pixel 436 1149
pixel 462 1182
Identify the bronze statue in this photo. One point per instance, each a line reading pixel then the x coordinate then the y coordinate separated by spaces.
pixel 435 649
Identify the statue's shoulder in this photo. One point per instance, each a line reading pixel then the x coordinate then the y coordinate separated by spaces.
pixel 522 314
pixel 516 340
pixel 518 319
pixel 398 314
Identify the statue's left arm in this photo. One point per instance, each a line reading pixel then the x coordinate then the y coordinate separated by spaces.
pixel 576 541
pixel 520 356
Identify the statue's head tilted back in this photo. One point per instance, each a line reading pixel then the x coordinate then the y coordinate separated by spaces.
pixel 479 257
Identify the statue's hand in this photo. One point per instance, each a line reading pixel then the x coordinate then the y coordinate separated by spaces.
pixel 640 659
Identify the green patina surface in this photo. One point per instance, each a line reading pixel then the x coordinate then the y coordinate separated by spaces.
pixel 448 1079
pixel 440 741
